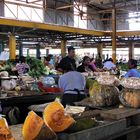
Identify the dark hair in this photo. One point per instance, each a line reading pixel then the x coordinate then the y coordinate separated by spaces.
pixel 110 59
pixel 133 62
pixel 22 59
pixel 85 58
pixel 70 48
pixel 91 59
pixel 50 55
pixel 47 58
pixel 68 67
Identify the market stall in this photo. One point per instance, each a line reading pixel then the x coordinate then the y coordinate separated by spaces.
pixel 111 129
pixel 107 113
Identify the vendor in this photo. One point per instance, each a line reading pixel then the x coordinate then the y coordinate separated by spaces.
pixel 109 65
pixel 93 66
pixel 85 66
pixel 133 72
pixel 73 84
pixel 22 67
pixel 68 60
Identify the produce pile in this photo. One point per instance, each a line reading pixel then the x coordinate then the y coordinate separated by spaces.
pixel 103 95
pixel 123 67
pixel 37 68
pixel 103 92
pixel 5 133
pixel 130 95
pixel 55 120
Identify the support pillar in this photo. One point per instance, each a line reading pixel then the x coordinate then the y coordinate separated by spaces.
pixel 38 51
pixel 47 52
pixel 63 47
pixel 12 46
pixel 20 49
pixel 131 50
pixel 28 52
pixel 2 8
pixel 1 47
pixel 114 34
pixel 100 49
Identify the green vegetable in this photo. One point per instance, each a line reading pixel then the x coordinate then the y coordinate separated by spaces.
pixel 123 67
pixel 82 124
pixel 37 68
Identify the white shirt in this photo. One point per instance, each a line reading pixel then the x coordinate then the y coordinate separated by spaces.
pixel 109 65
pixel 72 80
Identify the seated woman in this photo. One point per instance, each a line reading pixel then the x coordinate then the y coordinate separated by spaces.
pixel 73 84
pixel 133 72
pixel 22 67
pixel 85 66
pixel 93 66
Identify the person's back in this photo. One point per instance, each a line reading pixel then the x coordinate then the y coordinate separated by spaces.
pixel 73 84
pixel 72 80
pixel 109 65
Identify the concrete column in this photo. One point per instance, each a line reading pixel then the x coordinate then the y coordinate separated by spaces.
pixel 20 49
pixel 28 52
pixel 2 8
pixel 38 51
pixel 100 49
pixel 12 46
pixel 131 50
pixel 114 34
pixel 47 52
pixel 44 9
pixel 1 47
pixel 63 47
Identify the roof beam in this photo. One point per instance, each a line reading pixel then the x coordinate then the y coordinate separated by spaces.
pixel 44 26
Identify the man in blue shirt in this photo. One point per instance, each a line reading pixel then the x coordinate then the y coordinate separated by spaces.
pixel 73 84
pixel 133 72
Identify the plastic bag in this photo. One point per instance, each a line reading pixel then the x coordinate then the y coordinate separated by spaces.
pixel 130 97
pixel 131 83
pixel 109 80
pixel 104 95
pixel 49 81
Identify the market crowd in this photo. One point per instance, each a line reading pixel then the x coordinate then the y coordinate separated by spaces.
pixel 72 79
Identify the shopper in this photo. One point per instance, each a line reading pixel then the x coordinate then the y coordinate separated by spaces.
pixel 133 72
pixel 22 67
pixel 73 84
pixel 85 66
pixel 68 60
pixel 109 65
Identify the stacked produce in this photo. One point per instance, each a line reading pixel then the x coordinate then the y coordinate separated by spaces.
pixel 103 95
pixel 37 68
pixel 34 128
pixel 103 92
pixel 5 133
pixel 130 96
pixel 55 120
pixel 131 83
pixel 54 115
